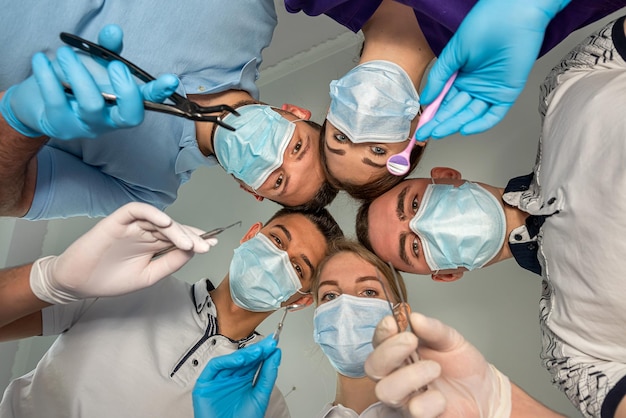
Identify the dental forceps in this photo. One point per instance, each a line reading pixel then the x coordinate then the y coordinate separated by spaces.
pixel 182 106
pixel 206 235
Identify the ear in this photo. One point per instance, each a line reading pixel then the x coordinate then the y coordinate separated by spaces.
pixel 256 196
pixel 402 319
pixel 445 173
pixel 450 277
pixel 298 111
pixel 306 300
pixel 254 229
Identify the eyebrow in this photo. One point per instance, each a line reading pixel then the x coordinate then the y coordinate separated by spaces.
pixel 285 230
pixel 403 255
pixel 304 257
pixel 367 279
pixel 307 262
pixel 372 163
pixel 400 205
pixel 334 150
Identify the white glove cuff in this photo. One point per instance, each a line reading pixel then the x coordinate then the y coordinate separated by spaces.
pixel 44 285
pixel 502 404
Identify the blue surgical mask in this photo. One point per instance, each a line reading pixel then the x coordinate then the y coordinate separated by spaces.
pixel 261 275
pixel 344 328
pixel 255 149
pixel 374 102
pixel 459 226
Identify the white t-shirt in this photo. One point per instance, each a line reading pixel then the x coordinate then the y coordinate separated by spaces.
pixel 580 184
pixel 137 355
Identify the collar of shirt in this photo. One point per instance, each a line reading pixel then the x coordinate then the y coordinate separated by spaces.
pixel 208 345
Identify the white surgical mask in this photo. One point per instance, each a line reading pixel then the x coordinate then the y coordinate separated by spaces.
pixel 344 328
pixel 255 149
pixel 374 102
pixel 261 275
pixel 459 226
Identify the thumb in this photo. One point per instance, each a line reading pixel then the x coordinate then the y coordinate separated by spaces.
pixel 160 89
pixel 440 72
pixel 269 373
pixel 111 37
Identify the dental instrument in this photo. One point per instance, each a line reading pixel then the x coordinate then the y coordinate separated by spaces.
pixel 206 235
pixel 399 164
pixel 182 106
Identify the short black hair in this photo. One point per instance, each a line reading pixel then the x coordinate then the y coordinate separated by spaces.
pixel 323 220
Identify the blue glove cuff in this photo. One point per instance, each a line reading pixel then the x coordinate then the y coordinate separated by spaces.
pixel 11 119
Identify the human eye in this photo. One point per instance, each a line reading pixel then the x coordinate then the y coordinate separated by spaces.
pixel 297 147
pixel 277 241
pixel 370 293
pixel 298 270
pixel 415 249
pixel 340 137
pixel 278 181
pixel 328 296
pixel 415 204
pixel 378 150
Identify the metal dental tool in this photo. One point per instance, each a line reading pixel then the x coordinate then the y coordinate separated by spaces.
pixel 414 357
pixel 289 308
pixel 206 235
pixel 182 106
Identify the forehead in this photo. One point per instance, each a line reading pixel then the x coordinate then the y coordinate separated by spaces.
pixel 346 267
pixel 303 233
pixel 386 206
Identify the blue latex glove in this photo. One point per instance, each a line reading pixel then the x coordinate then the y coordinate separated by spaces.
pixel 39 106
pixel 494 50
pixel 224 389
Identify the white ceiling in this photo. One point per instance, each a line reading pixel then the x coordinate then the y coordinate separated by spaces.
pixel 298 33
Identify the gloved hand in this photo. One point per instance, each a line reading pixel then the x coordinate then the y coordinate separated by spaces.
pixel 115 256
pixel 224 389
pixel 39 106
pixel 494 50
pixel 461 384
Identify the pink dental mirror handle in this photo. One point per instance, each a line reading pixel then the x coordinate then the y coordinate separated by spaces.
pixel 398 164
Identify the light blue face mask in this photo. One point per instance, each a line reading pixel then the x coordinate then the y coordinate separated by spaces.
pixel 344 328
pixel 261 275
pixel 374 102
pixel 255 149
pixel 459 226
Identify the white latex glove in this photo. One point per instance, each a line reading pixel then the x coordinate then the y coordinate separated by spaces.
pixel 461 383
pixel 115 256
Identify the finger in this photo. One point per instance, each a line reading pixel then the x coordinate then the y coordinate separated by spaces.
pixel 129 110
pixel 395 389
pixel 86 90
pixel 443 68
pixel 434 333
pixel 111 37
pixel 473 111
pixel 487 121
pixel 50 86
pixel 134 211
pixel 438 75
pixel 160 89
pixel 251 355
pixel 269 372
pixel 384 329
pixel 429 404
pixel 390 355
pixel 448 110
